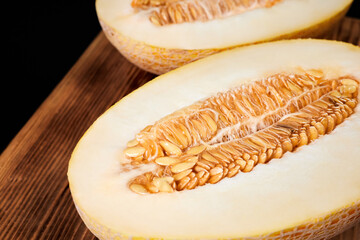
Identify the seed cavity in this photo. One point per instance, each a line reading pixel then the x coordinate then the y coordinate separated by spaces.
pixel 165 12
pixel 233 131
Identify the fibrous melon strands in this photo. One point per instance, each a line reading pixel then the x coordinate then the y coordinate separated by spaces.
pixel 238 129
pixel 179 11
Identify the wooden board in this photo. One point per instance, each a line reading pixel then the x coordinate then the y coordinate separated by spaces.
pixel 35 201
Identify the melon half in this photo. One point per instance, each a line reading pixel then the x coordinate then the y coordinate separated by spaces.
pixel 311 192
pixel 158 49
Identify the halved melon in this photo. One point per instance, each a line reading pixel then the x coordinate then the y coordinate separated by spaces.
pixel 194 29
pixel 275 127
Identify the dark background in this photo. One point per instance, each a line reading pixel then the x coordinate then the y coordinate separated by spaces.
pixel 43 39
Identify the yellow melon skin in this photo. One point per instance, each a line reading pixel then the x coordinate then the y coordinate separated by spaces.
pixel 160 60
pixel 324 227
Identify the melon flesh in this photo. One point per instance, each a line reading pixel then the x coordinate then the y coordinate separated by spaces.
pixel 320 179
pixel 253 26
pixel 132 32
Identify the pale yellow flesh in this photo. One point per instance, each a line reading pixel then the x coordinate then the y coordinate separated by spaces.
pixel 318 179
pixel 254 26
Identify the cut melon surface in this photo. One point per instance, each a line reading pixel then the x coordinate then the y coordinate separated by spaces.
pixel 170 46
pixel 311 193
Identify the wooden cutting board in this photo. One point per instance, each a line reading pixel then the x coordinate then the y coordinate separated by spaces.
pixel 35 201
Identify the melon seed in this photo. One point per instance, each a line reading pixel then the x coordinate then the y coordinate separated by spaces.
pixel 232 132
pixel 178 11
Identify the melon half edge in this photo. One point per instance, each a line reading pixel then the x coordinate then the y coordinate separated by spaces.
pixel 161 49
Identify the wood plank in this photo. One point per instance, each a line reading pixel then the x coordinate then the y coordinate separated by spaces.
pixel 35 201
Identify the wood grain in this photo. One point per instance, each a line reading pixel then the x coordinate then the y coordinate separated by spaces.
pixel 35 201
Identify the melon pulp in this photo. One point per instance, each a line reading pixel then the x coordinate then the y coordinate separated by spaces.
pixel 311 193
pixel 159 49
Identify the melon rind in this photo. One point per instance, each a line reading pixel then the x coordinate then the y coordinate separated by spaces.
pixel 323 227
pixel 311 226
pixel 158 60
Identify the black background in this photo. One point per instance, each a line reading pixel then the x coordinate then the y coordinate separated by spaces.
pixel 43 39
